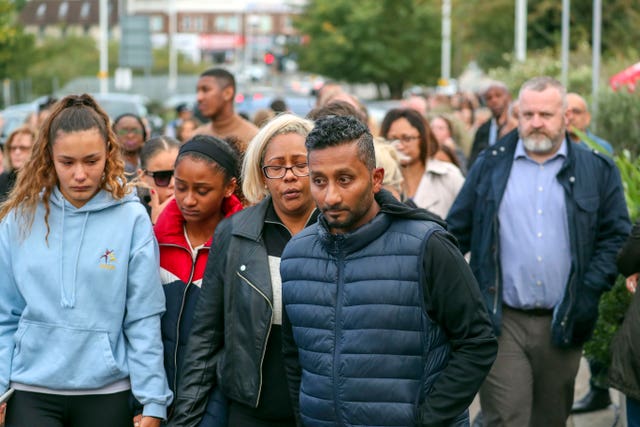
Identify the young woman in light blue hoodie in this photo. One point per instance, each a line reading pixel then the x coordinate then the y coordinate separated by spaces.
pixel 81 295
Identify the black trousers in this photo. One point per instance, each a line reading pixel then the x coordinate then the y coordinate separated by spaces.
pixel 27 409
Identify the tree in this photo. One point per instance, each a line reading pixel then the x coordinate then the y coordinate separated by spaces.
pixel 15 45
pixel 484 30
pixel 387 42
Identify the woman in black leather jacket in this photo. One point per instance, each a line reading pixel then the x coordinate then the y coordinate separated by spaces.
pixel 235 342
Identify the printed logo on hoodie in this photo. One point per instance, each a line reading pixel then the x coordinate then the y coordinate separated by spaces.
pixel 107 260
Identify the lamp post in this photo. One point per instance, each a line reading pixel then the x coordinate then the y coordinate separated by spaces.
pixel 595 68
pixel 445 61
pixel 521 30
pixel 173 57
pixel 564 77
pixel 103 75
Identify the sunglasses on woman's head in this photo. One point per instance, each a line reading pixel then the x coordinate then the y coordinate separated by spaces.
pixel 160 178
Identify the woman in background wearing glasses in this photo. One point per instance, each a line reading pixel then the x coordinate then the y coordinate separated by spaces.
pixel 236 339
pixel 205 174
pixel 157 159
pixel 132 133
pixel 17 151
pixel 430 183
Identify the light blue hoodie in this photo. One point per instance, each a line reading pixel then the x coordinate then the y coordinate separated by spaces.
pixel 83 311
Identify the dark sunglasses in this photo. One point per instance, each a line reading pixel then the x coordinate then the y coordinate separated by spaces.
pixel 161 178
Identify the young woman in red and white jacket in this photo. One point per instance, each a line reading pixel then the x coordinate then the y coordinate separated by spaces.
pixel 205 180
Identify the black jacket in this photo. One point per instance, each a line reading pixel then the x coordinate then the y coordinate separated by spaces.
pixel 480 142
pixel 232 320
pixel 7 181
pixel 624 372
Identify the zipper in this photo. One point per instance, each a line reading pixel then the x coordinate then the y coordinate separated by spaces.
pixel 181 311
pixel 264 346
pixel 337 331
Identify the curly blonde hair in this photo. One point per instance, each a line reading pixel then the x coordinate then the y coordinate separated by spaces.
pixel 73 113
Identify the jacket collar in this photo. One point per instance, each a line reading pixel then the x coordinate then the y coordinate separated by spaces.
pixel 170 226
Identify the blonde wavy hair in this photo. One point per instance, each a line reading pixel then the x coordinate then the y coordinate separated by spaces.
pixel 252 179
pixel 37 178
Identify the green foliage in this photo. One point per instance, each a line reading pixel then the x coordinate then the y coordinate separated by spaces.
pixel 161 63
pixel 485 29
pixel 15 45
pixel 50 62
pixel 614 304
pixel 617 120
pixel 387 42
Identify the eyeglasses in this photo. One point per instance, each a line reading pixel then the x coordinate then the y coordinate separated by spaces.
pixel 125 131
pixel 405 139
pixel 576 111
pixel 277 172
pixel 160 178
pixel 23 148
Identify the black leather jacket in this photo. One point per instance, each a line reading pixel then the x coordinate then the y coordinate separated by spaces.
pixel 232 320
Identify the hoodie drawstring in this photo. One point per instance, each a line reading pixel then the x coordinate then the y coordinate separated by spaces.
pixel 68 299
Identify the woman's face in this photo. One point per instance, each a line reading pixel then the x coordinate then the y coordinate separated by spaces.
pixel 440 129
pixel 290 194
pixel 187 130
pixel 200 190
pixel 130 134
pixel 408 141
pixel 79 159
pixel 162 161
pixel 20 150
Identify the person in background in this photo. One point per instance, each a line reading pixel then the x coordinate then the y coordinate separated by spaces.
pixel 44 110
pixel 206 174
pixel 263 116
pixel 187 129
pixel 157 160
pixel 278 106
pixel 216 92
pixel 81 294
pixel 383 322
pixel 235 343
pixel 624 372
pixel 132 133
pixel 466 112
pixel 387 160
pixel 443 130
pixel 336 108
pixel 431 183
pixel 543 219
pixel 17 151
pixel 183 113
pixel 579 118
pixel 496 96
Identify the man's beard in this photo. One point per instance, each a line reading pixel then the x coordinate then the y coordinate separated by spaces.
pixel 540 143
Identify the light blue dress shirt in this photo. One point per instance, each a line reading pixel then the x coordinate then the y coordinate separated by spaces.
pixel 534 234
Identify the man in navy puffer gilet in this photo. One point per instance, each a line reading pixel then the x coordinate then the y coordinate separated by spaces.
pixel 360 346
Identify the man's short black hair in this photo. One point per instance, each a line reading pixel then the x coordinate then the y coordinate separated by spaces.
pixel 331 131
pixel 224 77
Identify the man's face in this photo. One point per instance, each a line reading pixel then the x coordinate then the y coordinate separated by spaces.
pixel 578 116
pixel 497 99
pixel 343 187
pixel 212 97
pixel 541 121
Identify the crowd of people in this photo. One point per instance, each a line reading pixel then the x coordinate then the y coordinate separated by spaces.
pixel 311 271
